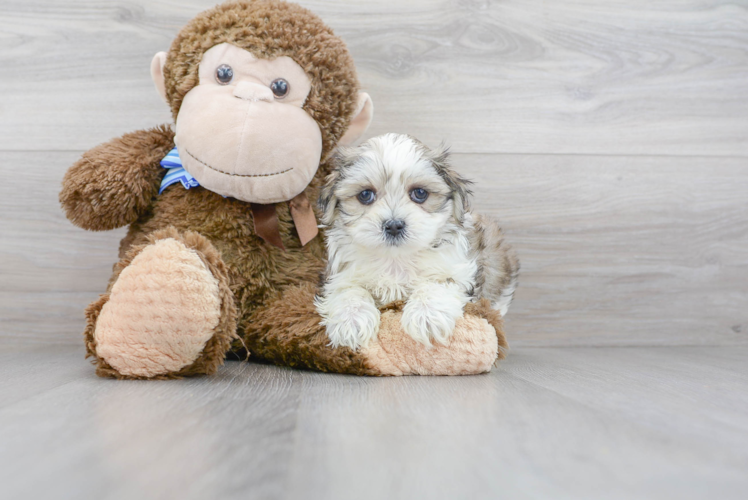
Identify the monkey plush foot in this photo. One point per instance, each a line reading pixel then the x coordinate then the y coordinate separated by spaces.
pixel 168 312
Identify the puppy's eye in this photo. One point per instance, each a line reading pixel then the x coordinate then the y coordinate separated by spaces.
pixel 280 88
pixel 224 74
pixel 419 195
pixel 367 197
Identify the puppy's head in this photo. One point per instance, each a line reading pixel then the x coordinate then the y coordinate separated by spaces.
pixel 394 193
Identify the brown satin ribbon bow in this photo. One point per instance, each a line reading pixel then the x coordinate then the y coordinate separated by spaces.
pixel 266 221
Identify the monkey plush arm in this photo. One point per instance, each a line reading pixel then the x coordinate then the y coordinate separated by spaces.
pixel 115 182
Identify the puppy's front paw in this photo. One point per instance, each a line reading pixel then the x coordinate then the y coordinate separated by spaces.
pixel 429 317
pixel 351 320
pixel 352 326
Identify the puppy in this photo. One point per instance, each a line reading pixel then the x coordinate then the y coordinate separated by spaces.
pixel 399 229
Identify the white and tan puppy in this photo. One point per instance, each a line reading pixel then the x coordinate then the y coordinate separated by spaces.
pixel 399 228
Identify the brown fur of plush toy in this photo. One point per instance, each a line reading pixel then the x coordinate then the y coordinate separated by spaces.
pixel 266 293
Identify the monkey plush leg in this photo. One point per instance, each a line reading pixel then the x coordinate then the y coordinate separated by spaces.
pixel 168 311
pixel 287 331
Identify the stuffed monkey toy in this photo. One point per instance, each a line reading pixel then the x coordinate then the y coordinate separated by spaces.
pixel 223 252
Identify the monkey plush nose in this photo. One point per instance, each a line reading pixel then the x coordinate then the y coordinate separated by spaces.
pixel 394 227
pixel 253 92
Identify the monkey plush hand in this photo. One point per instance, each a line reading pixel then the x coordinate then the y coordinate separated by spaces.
pixel 222 252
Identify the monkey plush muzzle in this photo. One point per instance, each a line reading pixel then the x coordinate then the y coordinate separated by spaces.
pixel 242 131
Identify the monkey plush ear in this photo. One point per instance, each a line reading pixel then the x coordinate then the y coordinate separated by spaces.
pixel 360 121
pixel 157 73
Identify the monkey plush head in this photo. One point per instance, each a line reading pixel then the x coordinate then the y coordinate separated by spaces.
pixel 261 91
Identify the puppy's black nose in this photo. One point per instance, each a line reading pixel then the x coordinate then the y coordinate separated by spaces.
pixel 394 227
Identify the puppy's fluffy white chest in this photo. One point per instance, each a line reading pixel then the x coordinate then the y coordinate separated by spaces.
pixel 394 282
pixel 388 279
pixel 392 278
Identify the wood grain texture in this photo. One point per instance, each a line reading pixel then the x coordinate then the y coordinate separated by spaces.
pixel 615 251
pixel 644 245
pixel 622 251
pixel 580 76
pixel 582 423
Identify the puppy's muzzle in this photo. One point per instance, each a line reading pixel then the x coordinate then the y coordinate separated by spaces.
pixel 394 229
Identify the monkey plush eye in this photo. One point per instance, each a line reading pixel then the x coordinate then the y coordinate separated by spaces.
pixel 224 74
pixel 419 195
pixel 280 88
pixel 367 197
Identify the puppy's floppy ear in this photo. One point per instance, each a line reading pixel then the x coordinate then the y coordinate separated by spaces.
pixel 328 201
pixel 458 185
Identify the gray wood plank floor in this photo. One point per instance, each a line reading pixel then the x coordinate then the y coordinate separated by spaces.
pixel 667 422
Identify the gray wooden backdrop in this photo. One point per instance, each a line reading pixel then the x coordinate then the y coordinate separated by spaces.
pixel 611 138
